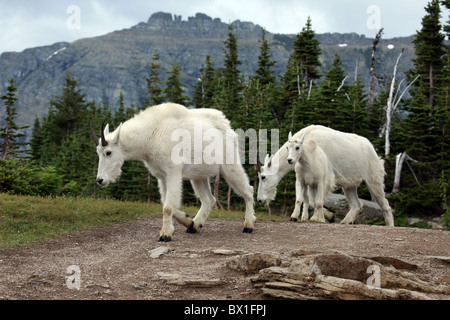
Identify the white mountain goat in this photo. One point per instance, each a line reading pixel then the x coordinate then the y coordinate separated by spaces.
pixel 353 159
pixel 153 137
pixel 314 173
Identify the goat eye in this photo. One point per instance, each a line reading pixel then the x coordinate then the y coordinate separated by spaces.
pixel 108 153
pixel 263 177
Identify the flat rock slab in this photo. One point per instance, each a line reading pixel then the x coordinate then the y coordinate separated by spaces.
pixel 157 252
pixel 183 280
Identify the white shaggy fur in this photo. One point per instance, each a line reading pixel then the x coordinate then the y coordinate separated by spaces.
pixel 314 173
pixel 148 137
pixel 353 159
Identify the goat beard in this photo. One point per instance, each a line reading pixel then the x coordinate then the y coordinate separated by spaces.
pixel 116 178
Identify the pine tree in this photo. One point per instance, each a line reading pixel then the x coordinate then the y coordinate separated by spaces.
pixel 301 71
pixel 358 102
pixel 63 140
pixel 204 90
pixel 173 91
pixel 443 101
pixel 424 131
pixel 264 73
pixel 429 47
pixel 333 105
pixel 70 109
pixel 231 74
pixel 291 86
pixel 120 115
pixel 9 132
pixel 427 107
pixel 444 126
pixel 306 53
pixel 154 83
pixel 417 127
pixel 36 140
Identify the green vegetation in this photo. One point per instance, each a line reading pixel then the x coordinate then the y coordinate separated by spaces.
pixel 27 219
pixel 64 162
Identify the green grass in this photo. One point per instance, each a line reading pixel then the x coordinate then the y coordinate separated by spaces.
pixel 26 219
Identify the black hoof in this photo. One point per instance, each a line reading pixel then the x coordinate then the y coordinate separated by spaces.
pixel 191 229
pixel 247 230
pixel 293 219
pixel 164 239
pixel 333 218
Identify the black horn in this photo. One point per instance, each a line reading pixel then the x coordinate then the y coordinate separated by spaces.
pixel 93 135
pixel 104 142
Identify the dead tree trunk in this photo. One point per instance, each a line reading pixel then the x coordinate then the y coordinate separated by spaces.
pixel 392 105
pixel 218 205
pixel 390 109
pixel 400 159
pixel 371 74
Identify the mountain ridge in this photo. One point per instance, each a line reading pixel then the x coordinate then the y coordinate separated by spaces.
pixel 118 61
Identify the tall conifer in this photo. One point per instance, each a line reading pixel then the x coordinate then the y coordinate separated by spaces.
pixel 173 91
pixel 232 80
pixel 9 132
pixel 154 82
pixel 264 73
pixel 204 89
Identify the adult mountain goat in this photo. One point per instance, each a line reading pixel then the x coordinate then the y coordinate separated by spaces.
pixel 153 137
pixel 353 159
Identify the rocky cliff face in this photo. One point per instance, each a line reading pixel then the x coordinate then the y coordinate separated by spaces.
pixel 118 61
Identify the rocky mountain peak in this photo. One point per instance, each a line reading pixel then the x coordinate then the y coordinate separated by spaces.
pixel 200 23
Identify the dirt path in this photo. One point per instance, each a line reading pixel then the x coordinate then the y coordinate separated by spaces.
pixel 114 262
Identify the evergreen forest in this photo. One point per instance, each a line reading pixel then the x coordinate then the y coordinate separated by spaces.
pixel 407 118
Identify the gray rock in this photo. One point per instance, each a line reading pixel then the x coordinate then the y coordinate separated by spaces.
pixel 157 252
pixel 253 262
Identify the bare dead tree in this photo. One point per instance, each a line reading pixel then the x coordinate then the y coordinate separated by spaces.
pixel 400 159
pixel 372 66
pixel 392 105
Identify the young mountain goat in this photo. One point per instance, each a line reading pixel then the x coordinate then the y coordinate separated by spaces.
pixel 353 159
pixel 153 137
pixel 314 174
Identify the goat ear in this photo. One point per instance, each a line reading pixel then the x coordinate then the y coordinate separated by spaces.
pixel 106 130
pixel 290 136
pixel 266 159
pixel 117 136
pixel 301 140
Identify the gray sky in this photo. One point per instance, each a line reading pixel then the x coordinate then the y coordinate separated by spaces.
pixel 29 23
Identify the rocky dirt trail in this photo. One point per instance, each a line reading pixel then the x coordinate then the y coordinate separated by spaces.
pixel 125 261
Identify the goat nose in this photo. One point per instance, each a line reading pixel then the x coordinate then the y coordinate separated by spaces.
pixel 260 201
pixel 100 181
pixel 290 161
